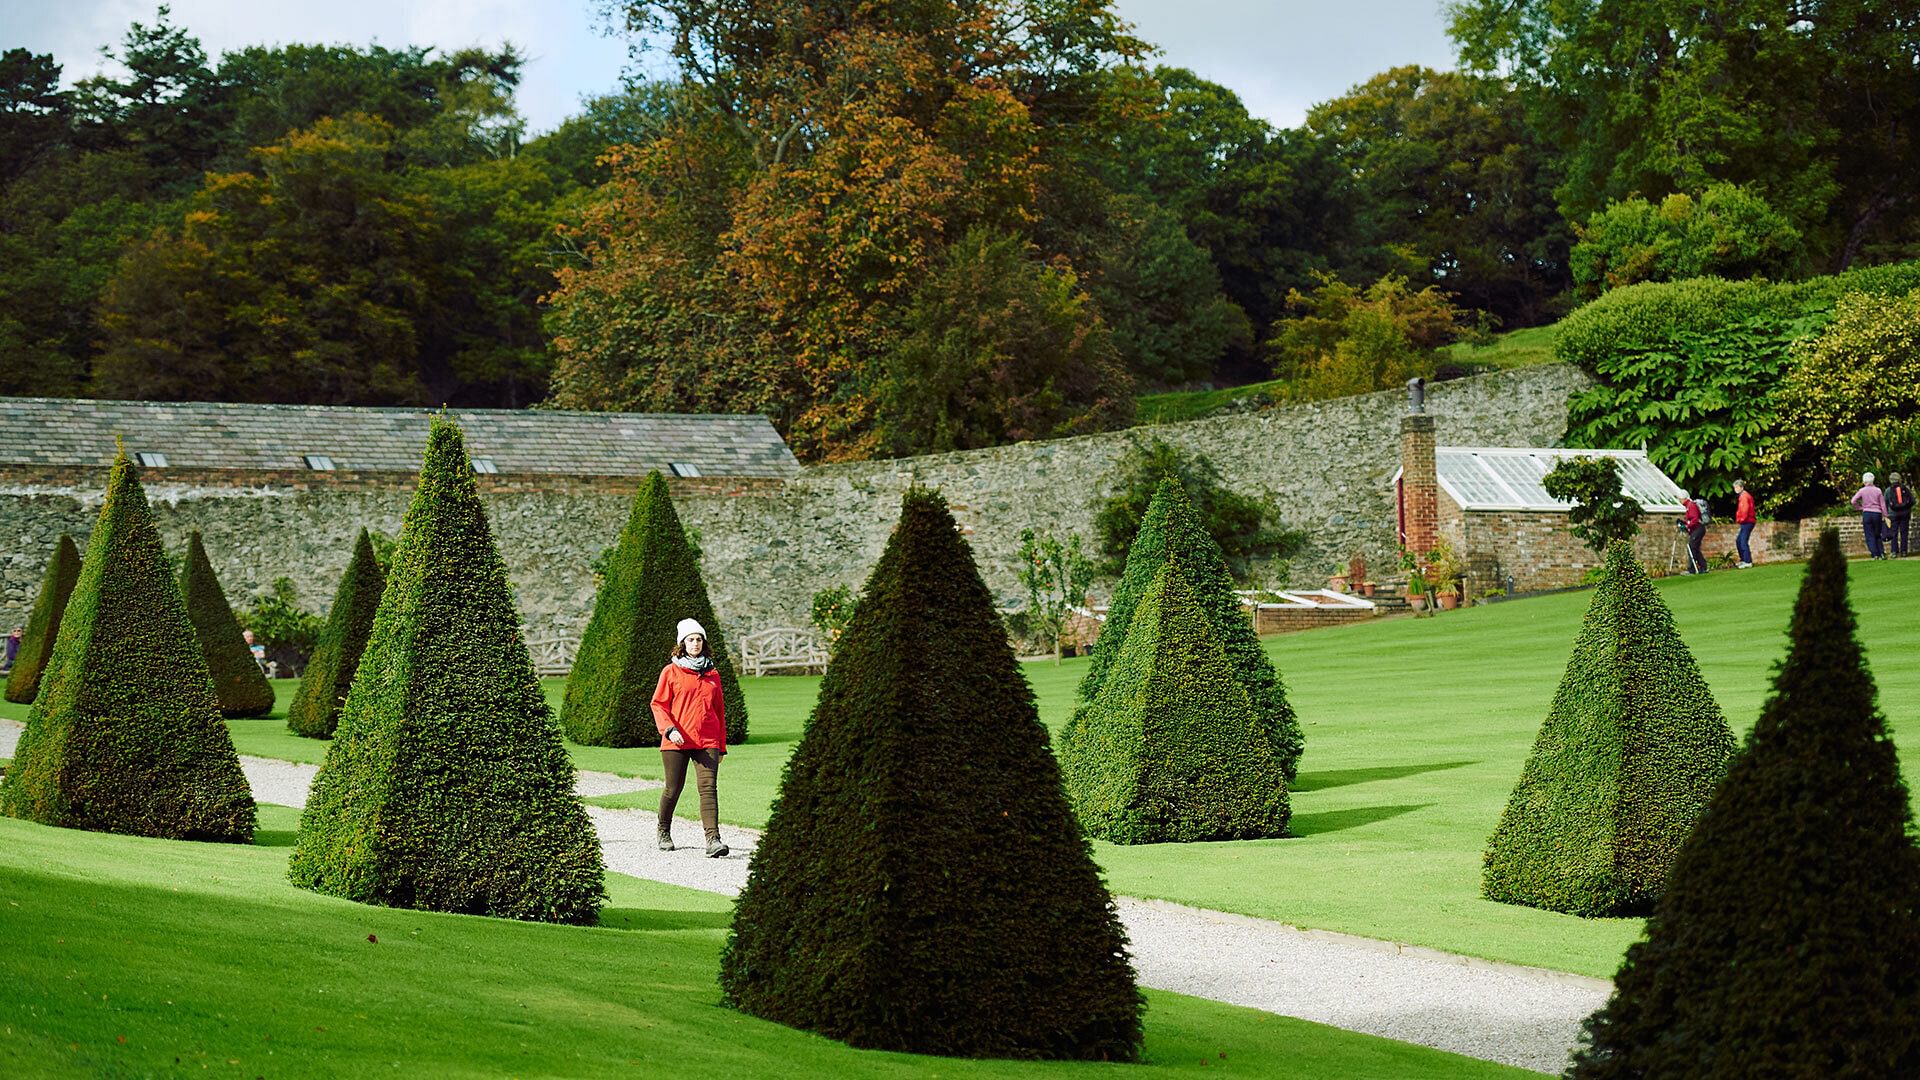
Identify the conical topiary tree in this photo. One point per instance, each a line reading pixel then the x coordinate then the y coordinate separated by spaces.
pixel 126 734
pixel 1631 750
pixel 1172 530
pixel 446 786
pixel 1171 749
pixel 653 581
pixel 323 689
pixel 243 688
pixel 1788 942
pixel 43 625
pixel 922 884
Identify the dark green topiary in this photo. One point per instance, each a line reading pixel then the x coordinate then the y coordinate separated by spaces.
pixel 237 679
pixel 1171 749
pixel 1787 945
pixel 126 734
pixel 446 786
pixel 1631 750
pixel 43 626
pixel 653 581
pixel 1171 529
pixel 922 885
pixel 323 689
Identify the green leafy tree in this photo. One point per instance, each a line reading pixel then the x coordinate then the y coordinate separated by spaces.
pixel 1729 231
pixel 1244 528
pixel 280 625
pixel 1862 369
pixel 1345 340
pixel 126 734
pixel 999 347
pixel 237 679
pixel 1788 938
pixel 652 582
pixel 1671 96
pixel 1602 511
pixel 1171 749
pixel 1173 530
pixel 1159 293
pixel 447 786
pixel 315 711
pixel 833 611
pixel 1630 753
pixel 906 851
pixel 1446 169
pixel 1056 575
pixel 160 100
pixel 43 623
pixel 34 112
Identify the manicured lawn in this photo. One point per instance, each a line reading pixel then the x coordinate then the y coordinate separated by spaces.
pixel 1180 405
pixel 133 957
pixel 1416 729
pixel 1516 348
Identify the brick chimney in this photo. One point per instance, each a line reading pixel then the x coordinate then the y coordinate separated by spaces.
pixel 1419 494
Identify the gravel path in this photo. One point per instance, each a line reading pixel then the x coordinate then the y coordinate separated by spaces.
pixel 1517 1016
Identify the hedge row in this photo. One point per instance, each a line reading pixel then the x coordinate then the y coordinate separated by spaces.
pixel 1631 750
pixel 922 884
pixel 126 734
pixel 43 625
pixel 446 786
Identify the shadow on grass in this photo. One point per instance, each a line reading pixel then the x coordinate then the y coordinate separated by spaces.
pixel 1336 820
pixel 1333 778
pixel 625 918
pixel 275 837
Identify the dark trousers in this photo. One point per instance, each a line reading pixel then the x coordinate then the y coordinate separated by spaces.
pixel 1746 531
pixel 1897 533
pixel 1696 562
pixel 706 767
pixel 1870 525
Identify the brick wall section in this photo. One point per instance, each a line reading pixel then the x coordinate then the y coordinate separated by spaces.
pixel 1289 620
pixel 1419 483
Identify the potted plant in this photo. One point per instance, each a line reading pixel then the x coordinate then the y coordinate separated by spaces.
pixel 1416 590
pixel 1357 575
pixel 1445 575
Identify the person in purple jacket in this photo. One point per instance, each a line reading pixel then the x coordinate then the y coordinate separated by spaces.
pixel 1872 504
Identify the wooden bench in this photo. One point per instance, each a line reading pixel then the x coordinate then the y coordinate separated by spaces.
pixel 782 648
pixel 553 656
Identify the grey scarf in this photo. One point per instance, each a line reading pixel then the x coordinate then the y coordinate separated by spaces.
pixel 699 665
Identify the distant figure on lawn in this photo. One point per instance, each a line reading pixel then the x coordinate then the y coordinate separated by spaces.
pixel 1694 524
pixel 1899 496
pixel 1745 517
pixel 13 646
pixel 256 650
pixel 692 718
pixel 1872 504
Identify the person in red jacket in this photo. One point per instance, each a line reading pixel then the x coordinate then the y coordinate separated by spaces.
pixel 692 718
pixel 1744 516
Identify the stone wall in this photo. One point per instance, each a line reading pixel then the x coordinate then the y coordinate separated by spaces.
pixel 770 546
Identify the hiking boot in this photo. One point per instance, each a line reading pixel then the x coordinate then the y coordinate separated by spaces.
pixel 716 848
pixel 666 838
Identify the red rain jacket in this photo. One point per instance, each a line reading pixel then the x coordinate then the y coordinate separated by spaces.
pixel 693 704
pixel 1743 512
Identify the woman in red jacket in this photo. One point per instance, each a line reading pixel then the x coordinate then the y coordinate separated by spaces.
pixel 692 719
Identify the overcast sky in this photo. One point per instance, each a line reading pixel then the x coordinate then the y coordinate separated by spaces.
pixel 1281 56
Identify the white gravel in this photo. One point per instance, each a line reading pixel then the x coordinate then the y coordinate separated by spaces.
pixel 1527 1017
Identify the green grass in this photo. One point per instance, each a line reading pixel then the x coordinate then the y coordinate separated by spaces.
pixel 1516 348
pixel 1416 731
pixel 1180 405
pixel 133 957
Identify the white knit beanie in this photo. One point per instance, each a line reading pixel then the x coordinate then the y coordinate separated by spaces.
pixel 688 628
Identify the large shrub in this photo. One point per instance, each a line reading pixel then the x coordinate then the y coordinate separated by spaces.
pixel 242 687
pixel 1690 368
pixel 43 625
pixel 446 786
pixel 652 582
pixel 315 711
pixel 1171 530
pixel 1346 340
pixel 1171 750
pixel 1729 231
pixel 922 884
pixel 1788 941
pixel 1246 529
pixel 1602 511
pixel 1631 750
pixel 126 734
pixel 1861 372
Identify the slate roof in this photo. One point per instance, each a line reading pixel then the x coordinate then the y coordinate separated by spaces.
pixel 205 435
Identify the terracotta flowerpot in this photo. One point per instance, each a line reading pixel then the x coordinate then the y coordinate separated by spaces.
pixel 1366 589
pixel 1448 601
pixel 1337 583
pixel 1417 601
